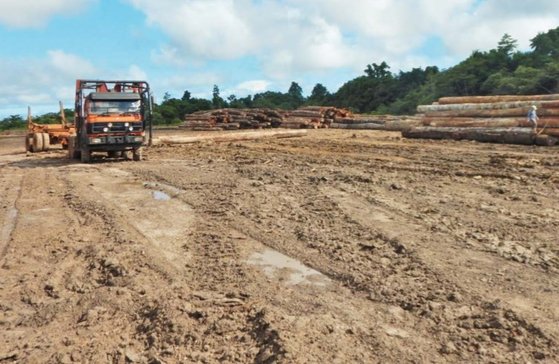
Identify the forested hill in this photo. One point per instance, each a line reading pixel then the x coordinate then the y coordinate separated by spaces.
pixel 503 70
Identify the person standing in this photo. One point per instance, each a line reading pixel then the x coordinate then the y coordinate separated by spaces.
pixel 533 117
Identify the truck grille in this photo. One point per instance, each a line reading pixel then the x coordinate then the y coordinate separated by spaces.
pixel 97 128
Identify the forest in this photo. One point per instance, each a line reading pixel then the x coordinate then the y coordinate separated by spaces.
pixel 499 71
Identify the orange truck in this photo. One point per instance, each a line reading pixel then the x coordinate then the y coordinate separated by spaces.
pixel 111 117
pixel 40 137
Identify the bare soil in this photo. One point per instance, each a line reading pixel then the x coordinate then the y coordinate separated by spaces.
pixel 337 247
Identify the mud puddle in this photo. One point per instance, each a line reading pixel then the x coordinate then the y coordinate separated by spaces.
pixel 162 191
pixel 291 271
pixel 161 196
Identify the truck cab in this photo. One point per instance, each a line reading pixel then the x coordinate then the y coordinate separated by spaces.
pixel 112 117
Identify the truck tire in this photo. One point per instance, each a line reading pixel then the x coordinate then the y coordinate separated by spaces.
pixel 137 154
pixel 29 143
pixel 114 154
pixel 72 152
pixel 85 156
pixel 37 144
pixel 46 141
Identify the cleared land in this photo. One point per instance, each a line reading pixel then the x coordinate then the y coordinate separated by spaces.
pixel 335 247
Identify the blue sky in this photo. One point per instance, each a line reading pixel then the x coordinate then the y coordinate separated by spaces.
pixel 243 46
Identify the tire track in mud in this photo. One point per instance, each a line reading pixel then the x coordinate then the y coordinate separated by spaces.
pixel 442 308
pixel 333 307
pixel 465 326
pixel 105 290
pixel 404 159
pixel 221 324
pixel 456 298
pixel 9 199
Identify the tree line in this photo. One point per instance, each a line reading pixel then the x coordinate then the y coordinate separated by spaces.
pixel 499 71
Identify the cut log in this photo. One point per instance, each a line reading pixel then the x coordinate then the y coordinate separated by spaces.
pixel 517 111
pixel 549 131
pixel 550 122
pixel 475 122
pixel 546 140
pixel 231 136
pixel 359 126
pixel 487 106
pixel 360 120
pixel 498 98
pixel 524 136
pixel 402 124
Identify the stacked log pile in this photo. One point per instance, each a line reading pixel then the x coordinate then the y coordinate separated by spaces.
pixel 497 119
pixel 377 122
pixel 231 119
pixel 314 117
pixel 309 117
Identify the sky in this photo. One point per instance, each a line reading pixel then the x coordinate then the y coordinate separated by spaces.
pixel 242 46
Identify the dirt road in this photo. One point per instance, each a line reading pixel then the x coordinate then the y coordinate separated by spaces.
pixel 336 247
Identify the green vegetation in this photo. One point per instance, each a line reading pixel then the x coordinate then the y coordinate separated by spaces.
pixel 12 122
pixel 503 70
pixel 18 122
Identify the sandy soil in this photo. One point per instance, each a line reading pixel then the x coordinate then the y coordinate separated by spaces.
pixel 337 247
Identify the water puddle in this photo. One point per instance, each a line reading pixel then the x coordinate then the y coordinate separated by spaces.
pixel 162 191
pixel 282 267
pixel 161 196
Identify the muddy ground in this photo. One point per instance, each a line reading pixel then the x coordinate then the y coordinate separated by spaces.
pixel 337 247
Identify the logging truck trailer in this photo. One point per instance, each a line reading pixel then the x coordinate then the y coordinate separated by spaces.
pixel 40 137
pixel 111 117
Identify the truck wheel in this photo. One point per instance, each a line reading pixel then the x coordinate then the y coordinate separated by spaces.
pixel 37 144
pixel 46 141
pixel 137 154
pixel 73 152
pixel 28 143
pixel 114 154
pixel 85 156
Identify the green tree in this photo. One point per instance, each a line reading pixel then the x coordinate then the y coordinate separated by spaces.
pixel 507 45
pixel 217 100
pixel 546 44
pixel 379 71
pixel 319 95
pixel 12 122
pixel 295 94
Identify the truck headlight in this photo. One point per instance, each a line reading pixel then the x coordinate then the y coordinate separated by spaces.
pixel 131 128
pixel 127 124
pixel 106 130
pixel 110 125
pixel 95 140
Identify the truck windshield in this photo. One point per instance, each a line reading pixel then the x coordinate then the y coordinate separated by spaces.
pixel 114 107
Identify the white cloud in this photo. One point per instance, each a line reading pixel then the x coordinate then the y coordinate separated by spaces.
pixel 247 88
pixel 167 55
pixel 291 37
pixel 209 28
pixel 41 83
pixel 69 65
pixel 254 86
pixel 34 13
pixel 482 29
pixel 134 73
